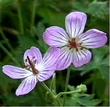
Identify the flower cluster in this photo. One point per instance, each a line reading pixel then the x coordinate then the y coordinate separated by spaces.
pixel 67 47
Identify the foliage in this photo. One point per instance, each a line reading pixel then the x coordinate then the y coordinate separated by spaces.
pixel 22 23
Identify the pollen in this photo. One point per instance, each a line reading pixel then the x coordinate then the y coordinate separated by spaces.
pixel 74 44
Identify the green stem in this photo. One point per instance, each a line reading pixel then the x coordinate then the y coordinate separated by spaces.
pixel 65 93
pixel 21 27
pixel 51 93
pixel 45 86
pixel 53 83
pixel 66 84
pixel 33 15
pixel 9 54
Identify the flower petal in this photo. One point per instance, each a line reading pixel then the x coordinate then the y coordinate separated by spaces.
pixel 81 57
pixel 55 36
pixel 15 72
pixel 48 65
pixel 34 54
pixel 27 85
pixel 75 23
pixel 45 75
pixel 65 58
pixel 93 39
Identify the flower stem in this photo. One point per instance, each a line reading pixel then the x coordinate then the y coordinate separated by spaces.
pixel 45 86
pixel 53 83
pixel 65 93
pixel 66 85
pixel 51 93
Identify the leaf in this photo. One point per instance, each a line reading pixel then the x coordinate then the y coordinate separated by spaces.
pixel 88 101
pixel 98 9
pixel 79 99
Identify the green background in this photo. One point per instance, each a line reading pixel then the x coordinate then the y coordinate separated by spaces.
pixel 22 23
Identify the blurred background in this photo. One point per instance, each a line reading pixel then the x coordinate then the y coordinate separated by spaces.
pixel 22 23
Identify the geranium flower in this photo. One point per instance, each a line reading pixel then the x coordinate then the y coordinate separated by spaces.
pixel 74 44
pixel 37 69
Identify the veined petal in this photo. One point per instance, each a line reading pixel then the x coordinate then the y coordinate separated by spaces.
pixel 34 55
pixel 93 39
pixel 27 85
pixel 81 57
pixel 16 72
pixel 55 36
pixel 45 75
pixel 75 23
pixel 50 58
pixel 48 65
pixel 65 58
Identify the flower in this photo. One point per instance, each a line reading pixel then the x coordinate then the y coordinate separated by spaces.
pixel 37 69
pixel 74 44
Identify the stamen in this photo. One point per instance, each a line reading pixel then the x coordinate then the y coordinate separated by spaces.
pixel 74 43
pixel 32 65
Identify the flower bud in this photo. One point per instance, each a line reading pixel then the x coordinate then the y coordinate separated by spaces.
pixel 81 88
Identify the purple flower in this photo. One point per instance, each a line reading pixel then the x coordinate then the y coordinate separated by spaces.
pixel 74 44
pixel 36 69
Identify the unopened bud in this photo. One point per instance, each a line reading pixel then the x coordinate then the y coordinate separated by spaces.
pixel 81 88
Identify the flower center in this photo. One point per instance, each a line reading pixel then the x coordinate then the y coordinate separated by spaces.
pixel 32 66
pixel 74 44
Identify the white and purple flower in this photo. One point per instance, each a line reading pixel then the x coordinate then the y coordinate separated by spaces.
pixel 74 44
pixel 37 69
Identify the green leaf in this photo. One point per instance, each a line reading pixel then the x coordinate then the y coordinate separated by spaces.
pixel 88 101
pixel 98 9
pixel 79 99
